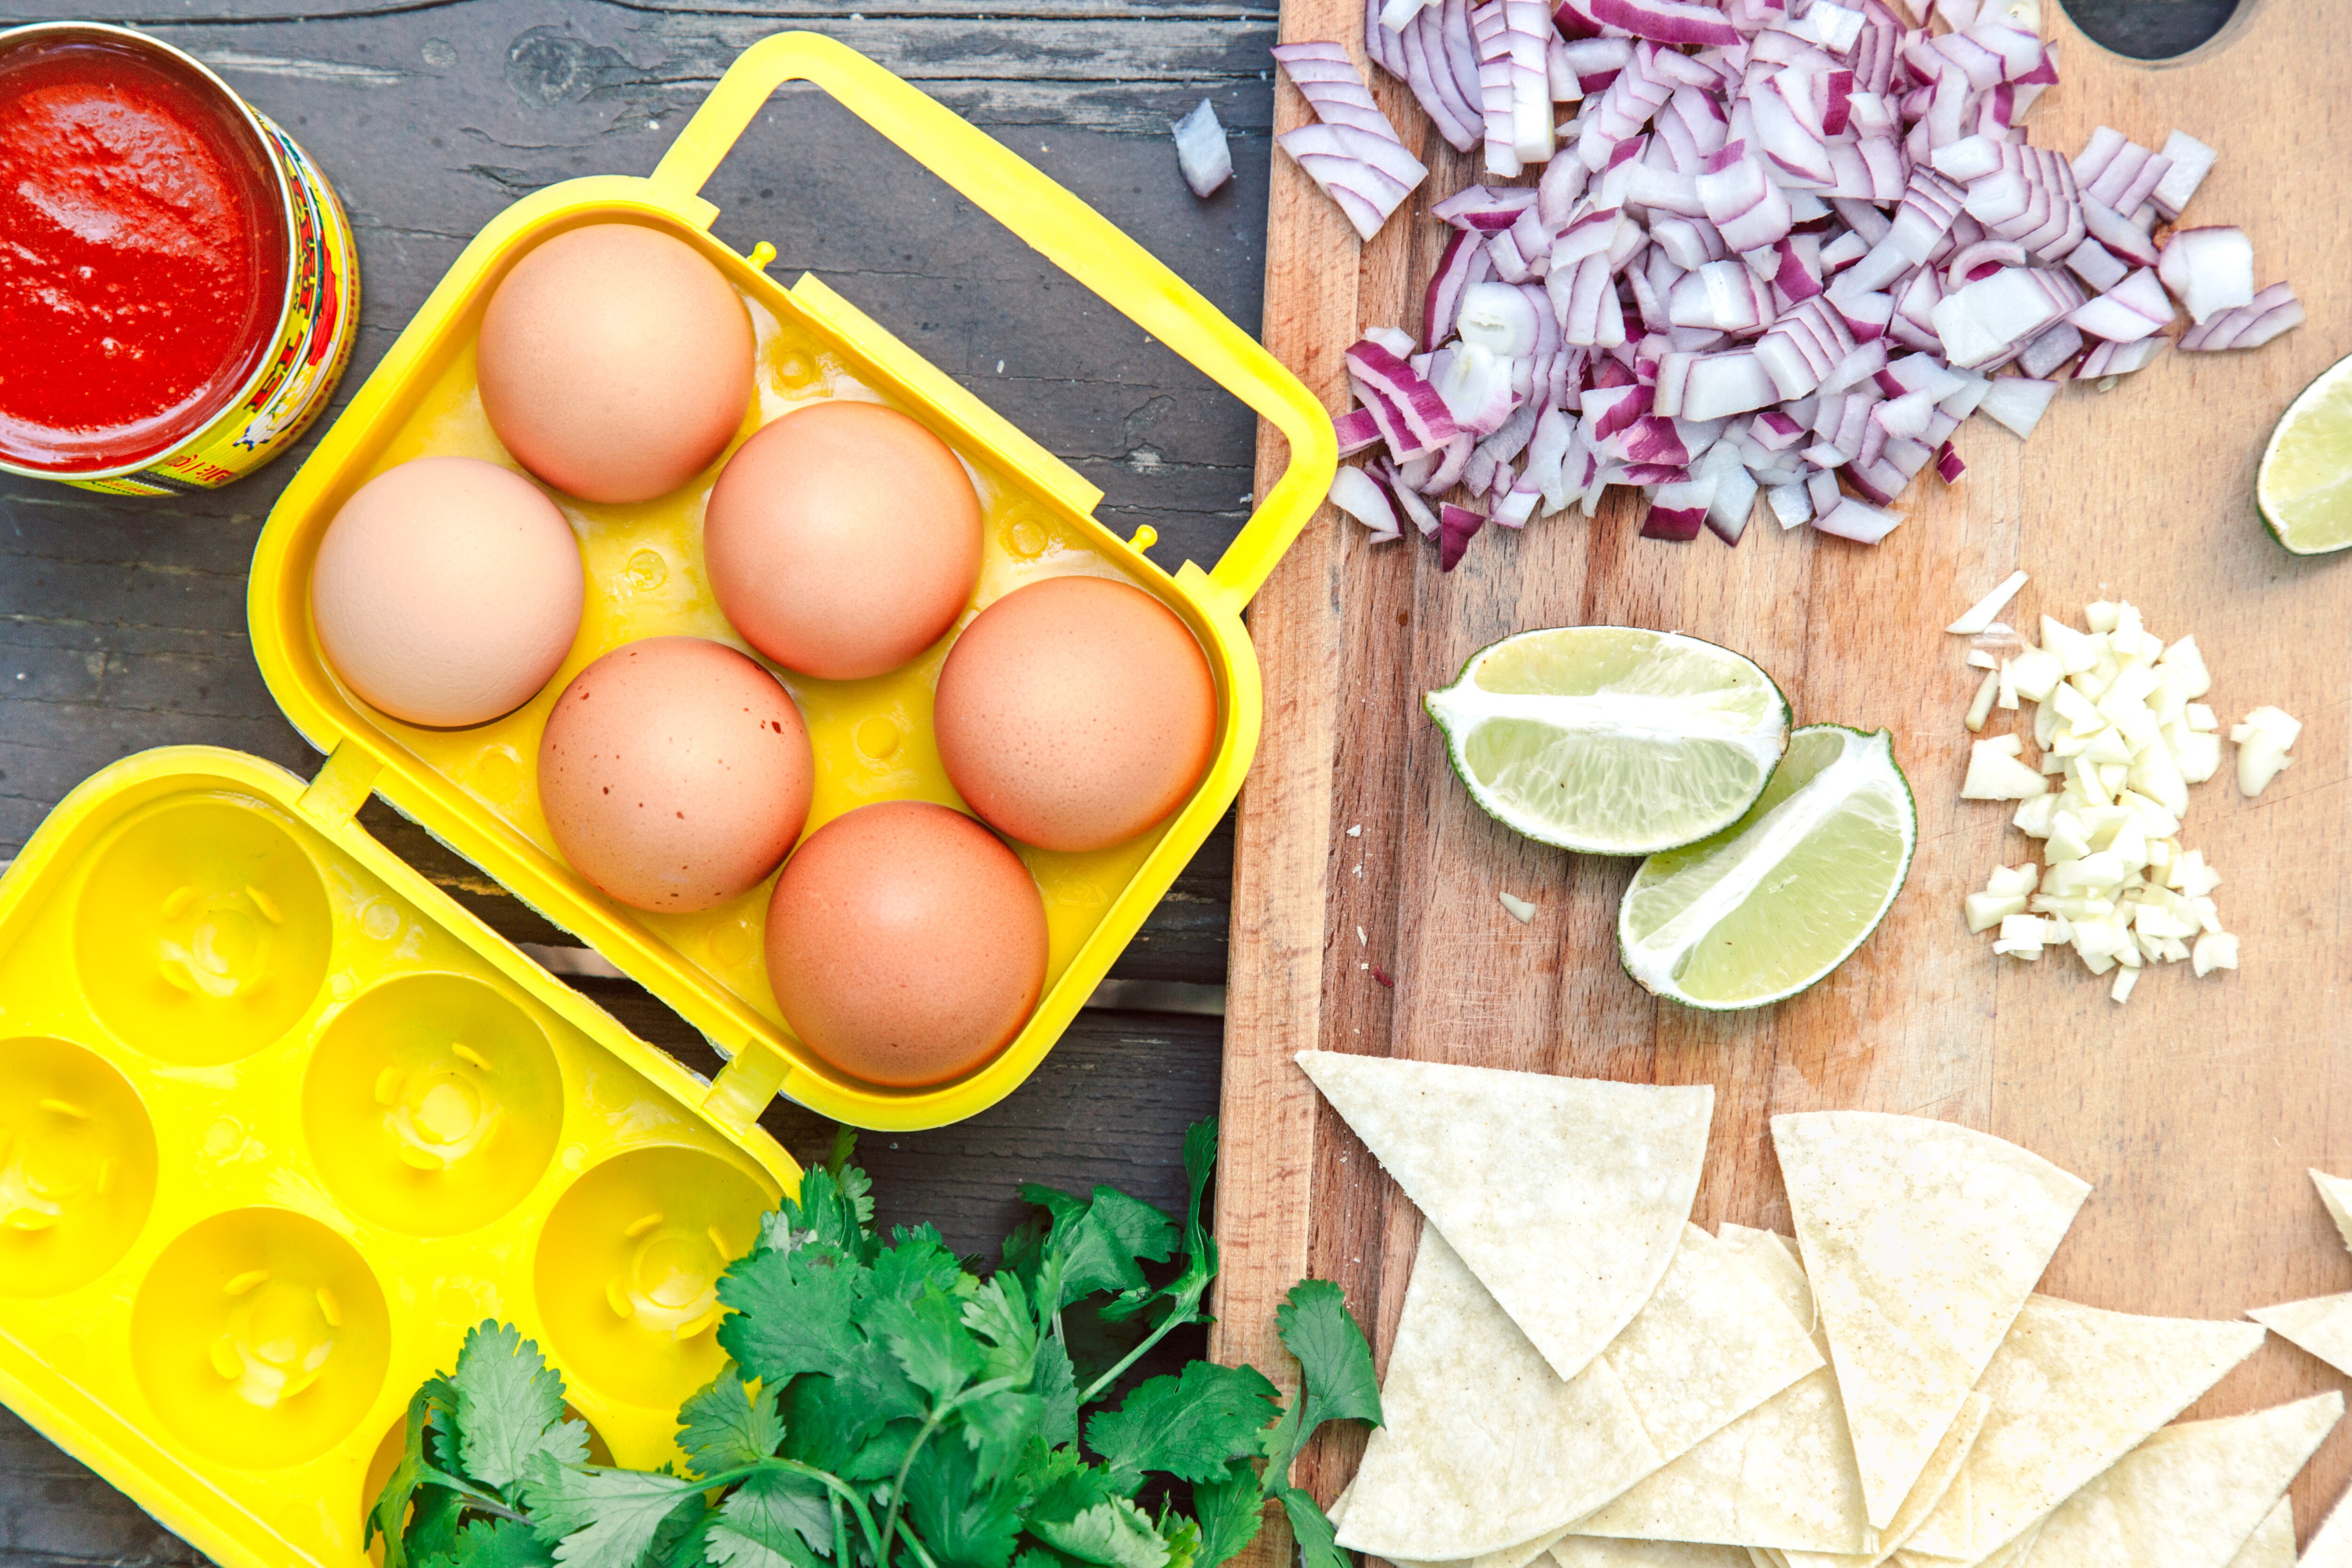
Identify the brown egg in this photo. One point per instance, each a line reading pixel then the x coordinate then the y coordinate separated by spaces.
pixel 843 540
pixel 675 774
pixel 614 361
pixel 906 944
pixel 446 592
pixel 1075 712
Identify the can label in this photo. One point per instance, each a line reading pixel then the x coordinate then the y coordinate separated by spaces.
pixel 321 326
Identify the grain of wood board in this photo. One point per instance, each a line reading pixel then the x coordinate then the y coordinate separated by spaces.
pixel 2194 1109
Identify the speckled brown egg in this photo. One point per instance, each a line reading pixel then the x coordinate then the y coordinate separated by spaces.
pixel 446 592
pixel 1075 712
pixel 675 774
pixel 843 540
pixel 614 361
pixel 906 943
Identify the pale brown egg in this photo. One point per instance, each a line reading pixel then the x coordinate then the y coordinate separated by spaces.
pixel 1075 712
pixel 614 361
pixel 675 774
pixel 906 943
pixel 446 592
pixel 843 540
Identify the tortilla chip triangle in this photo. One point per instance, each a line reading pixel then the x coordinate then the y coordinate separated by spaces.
pixel 1921 1239
pixel 2331 1544
pixel 1484 1448
pixel 2335 1192
pixel 1586 1551
pixel 1565 1196
pixel 1780 1476
pixel 2074 1389
pixel 2322 1325
pixel 2272 1545
pixel 1927 1492
pixel 2190 1496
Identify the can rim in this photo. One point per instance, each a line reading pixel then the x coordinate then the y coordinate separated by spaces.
pixel 260 131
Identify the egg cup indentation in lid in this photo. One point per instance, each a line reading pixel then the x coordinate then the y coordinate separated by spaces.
pixel 77 1166
pixel 628 1270
pixel 204 930
pixel 432 1104
pixel 259 1338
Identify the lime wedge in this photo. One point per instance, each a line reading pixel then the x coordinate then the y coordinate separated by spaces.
pixel 1610 740
pixel 2303 488
pixel 1781 897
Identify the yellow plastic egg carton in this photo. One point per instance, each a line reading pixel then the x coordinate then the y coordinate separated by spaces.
pixel 279 1122
pixel 476 789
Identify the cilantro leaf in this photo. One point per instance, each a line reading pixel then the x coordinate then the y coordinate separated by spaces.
pixel 1190 1426
pixel 683 1540
pixel 915 1258
pixel 1056 1382
pixel 432 1524
pixel 927 1337
pixel 999 1317
pixel 792 1311
pixel 1067 1488
pixel 1317 1547
pixel 599 1518
pixel 775 1519
pixel 821 1214
pixel 998 1429
pixel 1113 1532
pixel 1184 1538
pixel 1336 1364
pixel 827 1420
pixel 965 1525
pixel 1232 1510
pixel 510 1405
pixel 724 1426
pixel 495 1543
pixel 1141 1230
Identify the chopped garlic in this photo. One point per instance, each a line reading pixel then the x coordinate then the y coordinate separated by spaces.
pixel 1995 773
pixel 1520 910
pixel 1981 709
pixel 2117 726
pixel 1979 659
pixel 1978 615
pixel 2214 950
pixel 2264 740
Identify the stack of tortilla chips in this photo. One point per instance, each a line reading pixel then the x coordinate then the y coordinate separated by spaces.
pixel 1581 1373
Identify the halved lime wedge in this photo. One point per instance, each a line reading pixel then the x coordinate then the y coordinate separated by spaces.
pixel 1783 895
pixel 1610 740
pixel 2303 488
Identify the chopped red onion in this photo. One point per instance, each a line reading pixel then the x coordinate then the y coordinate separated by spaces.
pixel 1367 500
pixel 1202 153
pixel 2208 269
pixel 2250 326
pixel 1456 525
pixel 1779 252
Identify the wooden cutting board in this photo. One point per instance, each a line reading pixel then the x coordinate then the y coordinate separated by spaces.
pixel 2194 1109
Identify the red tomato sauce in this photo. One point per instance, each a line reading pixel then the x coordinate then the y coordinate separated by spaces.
pixel 144 256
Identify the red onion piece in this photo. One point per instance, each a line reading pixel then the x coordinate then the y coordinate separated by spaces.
pixel 1456 525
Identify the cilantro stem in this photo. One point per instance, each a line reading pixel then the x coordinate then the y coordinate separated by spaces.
pixel 840 1534
pixel 931 1424
pixel 1180 1310
pixel 842 1492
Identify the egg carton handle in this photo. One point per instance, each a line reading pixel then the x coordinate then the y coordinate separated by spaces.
pixel 1062 229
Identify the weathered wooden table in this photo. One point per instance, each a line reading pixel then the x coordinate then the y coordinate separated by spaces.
pixel 123 623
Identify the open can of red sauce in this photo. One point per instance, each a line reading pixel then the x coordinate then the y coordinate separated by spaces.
pixel 178 287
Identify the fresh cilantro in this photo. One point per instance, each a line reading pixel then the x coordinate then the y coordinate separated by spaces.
pixel 599 1518
pixel 725 1425
pixel 510 1406
pixel 887 1408
pixel 1113 1532
pixel 792 1312
pixel 775 1520
pixel 1232 1510
pixel 495 1543
pixel 1314 1326
pixel 1317 1549
pixel 1191 1426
